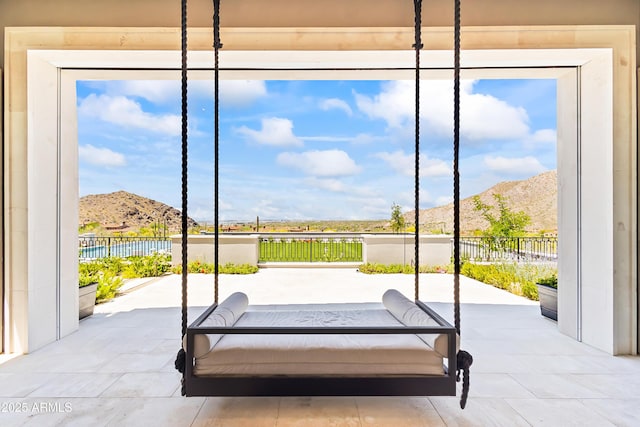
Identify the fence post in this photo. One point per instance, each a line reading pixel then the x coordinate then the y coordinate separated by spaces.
pixel 108 246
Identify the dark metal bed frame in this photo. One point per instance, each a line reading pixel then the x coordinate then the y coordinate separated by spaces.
pixel 342 385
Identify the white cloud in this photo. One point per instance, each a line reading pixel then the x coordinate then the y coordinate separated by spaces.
pixel 541 137
pixel 545 135
pixel 327 138
pixel 520 166
pixel 275 131
pixel 125 112
pixel 359 139
pixel 240 93
pixel 235 93
pixel 330 184
pixel 405 164
pixel 328 163
pixel 100 156
pixel 364 139
pixel 266 208
pixel 481 116
pixel 156 91
pixel 335 103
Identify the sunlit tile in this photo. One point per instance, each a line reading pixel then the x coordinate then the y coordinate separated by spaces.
pixel 557 412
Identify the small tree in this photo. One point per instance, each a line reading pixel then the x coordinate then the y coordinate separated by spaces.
pixel 507 224
pixel 397 219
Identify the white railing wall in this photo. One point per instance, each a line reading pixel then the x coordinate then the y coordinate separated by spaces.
pixel 236 249
pixel 376 248
pixel 400 249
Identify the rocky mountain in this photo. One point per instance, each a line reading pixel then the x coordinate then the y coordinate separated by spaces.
pixel 124 211
pixel 536 196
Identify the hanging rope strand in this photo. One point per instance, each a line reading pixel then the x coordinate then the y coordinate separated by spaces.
pixel 216 46
pixel 463 358
pixel 456 172
pixel 181 357
pixel 417 5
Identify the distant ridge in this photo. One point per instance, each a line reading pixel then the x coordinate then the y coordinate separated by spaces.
pixel 123 211
pixel 537 196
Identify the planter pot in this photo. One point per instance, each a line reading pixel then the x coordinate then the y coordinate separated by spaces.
pixel 548 301
pixel 87 300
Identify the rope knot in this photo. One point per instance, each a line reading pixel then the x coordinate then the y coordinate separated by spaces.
pixel 181 361
pixel 464 361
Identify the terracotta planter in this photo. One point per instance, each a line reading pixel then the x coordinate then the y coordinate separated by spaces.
pixel 87 300
pixel 548 297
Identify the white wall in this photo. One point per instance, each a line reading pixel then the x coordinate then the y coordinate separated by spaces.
pixel 240 249
pixel 400 249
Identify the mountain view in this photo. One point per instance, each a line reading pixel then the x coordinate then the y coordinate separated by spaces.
pixel 124 211
pixel 536 196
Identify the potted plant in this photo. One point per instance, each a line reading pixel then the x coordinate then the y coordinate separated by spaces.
pixel 548 296
pixel 88 286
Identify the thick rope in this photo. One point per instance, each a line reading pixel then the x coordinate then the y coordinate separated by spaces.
pixel 463 358
pixel 417 4
pixel 181 357
pixel 456 172
pixel 216 172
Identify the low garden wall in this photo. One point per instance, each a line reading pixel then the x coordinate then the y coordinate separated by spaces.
pixel 400 249
pixel 236 249
pixel 376 248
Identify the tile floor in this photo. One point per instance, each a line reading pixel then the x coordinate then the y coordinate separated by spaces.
pixel 117 369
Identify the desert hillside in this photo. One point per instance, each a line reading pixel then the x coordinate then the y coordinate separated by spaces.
pixel 537 196
pixel 124 211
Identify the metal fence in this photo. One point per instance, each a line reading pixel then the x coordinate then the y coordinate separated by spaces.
pixel 310 248
pixel 518 249
pixel 92 247
pixel 347 247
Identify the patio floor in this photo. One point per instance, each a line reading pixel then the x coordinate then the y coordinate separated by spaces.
pixel 117 369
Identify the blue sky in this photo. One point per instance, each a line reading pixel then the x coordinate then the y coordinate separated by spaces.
pixel 311 149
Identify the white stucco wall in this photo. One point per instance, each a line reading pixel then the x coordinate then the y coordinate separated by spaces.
pixel 239 249
pixel 400 249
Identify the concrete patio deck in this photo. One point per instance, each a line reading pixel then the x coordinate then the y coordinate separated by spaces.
pixel 118 368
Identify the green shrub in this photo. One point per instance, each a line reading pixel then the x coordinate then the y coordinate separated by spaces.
pixel 208 268
pixel 108 286
pixel 93 268
pixel 375 268
pixel 89 269
pixel 86 280
pixel 519 279
pixel 147 266
pixel 551 281
pixel 230 268
pixel 109 272
pixel 112 264
pixel 530 291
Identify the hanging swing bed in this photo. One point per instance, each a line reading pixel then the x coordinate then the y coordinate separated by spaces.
pixel 402 348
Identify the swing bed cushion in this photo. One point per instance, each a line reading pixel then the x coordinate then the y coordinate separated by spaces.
pixel 335 355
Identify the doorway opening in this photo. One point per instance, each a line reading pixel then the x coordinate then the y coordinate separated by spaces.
pixel 583 74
